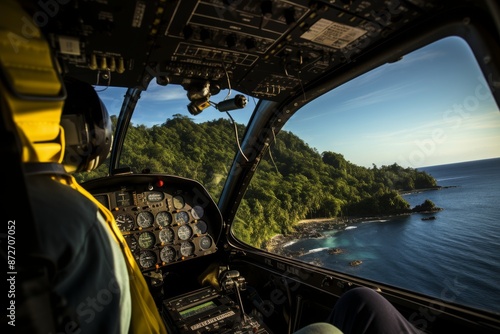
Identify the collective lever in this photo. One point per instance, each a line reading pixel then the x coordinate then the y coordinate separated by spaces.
pixel 231 280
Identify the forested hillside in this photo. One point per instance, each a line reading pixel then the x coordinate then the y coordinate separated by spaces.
pixel 295 182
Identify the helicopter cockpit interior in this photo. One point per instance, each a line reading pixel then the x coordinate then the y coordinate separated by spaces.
pixel 182 217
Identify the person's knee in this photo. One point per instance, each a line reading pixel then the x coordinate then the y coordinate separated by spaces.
pixel 319 328
pixel 360 297
pixel 361 293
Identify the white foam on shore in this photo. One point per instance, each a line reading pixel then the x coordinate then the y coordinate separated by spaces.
pixel 351 227
pixel 290 243
pixel 452 178
pixel 315 250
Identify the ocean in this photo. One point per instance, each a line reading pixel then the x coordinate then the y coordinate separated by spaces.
pixel 454 257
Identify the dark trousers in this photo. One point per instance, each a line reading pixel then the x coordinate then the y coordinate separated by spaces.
pixel 363 310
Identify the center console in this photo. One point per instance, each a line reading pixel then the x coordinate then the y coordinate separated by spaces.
pixel 211 310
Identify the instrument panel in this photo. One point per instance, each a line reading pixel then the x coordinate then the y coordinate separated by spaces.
pixel 164 219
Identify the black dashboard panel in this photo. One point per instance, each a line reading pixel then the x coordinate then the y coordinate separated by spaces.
pixel 165 219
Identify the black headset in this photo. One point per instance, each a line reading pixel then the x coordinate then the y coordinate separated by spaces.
pixel 87 127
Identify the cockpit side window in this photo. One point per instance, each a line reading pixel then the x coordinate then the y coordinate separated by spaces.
pixel 392 177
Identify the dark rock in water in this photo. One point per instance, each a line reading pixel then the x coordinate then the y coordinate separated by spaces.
pixel 355 263
pixel 333 251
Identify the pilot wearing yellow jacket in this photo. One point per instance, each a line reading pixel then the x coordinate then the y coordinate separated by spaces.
pixel 95 284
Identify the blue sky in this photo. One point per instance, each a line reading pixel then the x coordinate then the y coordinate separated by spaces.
pixel 158 103
pixel 432 107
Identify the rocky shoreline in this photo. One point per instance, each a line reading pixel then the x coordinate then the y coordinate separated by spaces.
pixel 313 228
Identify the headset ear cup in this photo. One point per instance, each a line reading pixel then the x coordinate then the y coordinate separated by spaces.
pixel 87 127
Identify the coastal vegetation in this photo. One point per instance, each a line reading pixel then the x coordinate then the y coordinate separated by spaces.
pixel 293 181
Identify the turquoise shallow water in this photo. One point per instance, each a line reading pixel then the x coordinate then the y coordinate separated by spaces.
pixel 455 257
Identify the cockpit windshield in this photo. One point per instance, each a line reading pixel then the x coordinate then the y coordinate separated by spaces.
pixel 163 137
pixel 391 177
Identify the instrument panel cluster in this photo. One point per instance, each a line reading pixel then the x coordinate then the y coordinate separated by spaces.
pixel 163 221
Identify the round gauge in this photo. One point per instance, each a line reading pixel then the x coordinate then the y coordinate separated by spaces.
pixel 197 212
pixel 131 242
pixel 178 202
pixel 200 227
pixel 167 254
pixel 147 259
pixel 125 222
pixel 187 248
pixel 166 235
pixel 163 218
pixel 145 219
pixel 184 232
pixel 181 217
pixel 205 242
pixel 146 240
pixel 155 196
